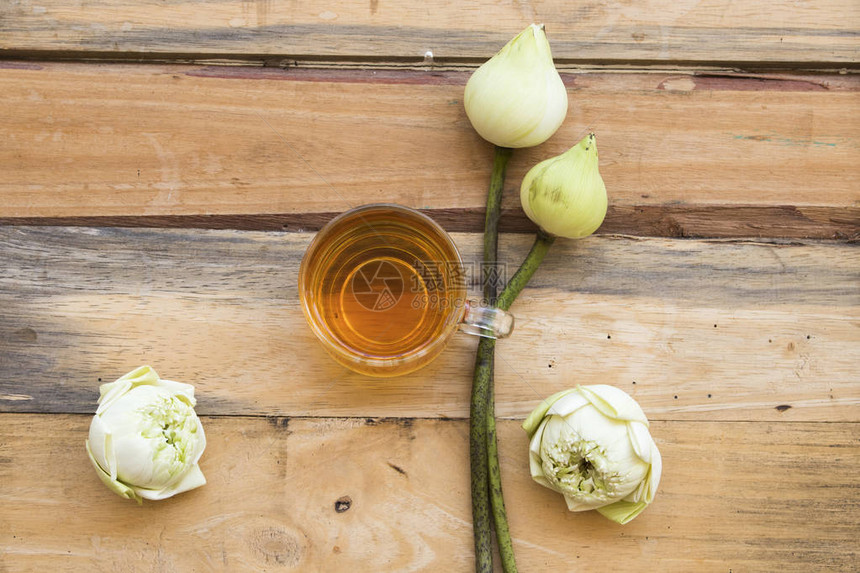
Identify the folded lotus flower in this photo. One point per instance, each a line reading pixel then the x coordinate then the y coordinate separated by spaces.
pixel 592 445
pixel 145 439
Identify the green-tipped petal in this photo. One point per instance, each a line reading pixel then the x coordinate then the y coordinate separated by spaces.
pixel 622 511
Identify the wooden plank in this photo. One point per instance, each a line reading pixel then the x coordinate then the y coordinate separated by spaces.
pixel 682 155
pixel 734 496
pixel 671 220
pixel 717 330
pixel 656 30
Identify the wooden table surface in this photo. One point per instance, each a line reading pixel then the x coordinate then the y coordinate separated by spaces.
pixel 163 166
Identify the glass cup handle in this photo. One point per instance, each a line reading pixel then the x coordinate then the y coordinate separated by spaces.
pixel 486 321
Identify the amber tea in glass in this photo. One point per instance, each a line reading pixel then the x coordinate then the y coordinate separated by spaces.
pixel 383 287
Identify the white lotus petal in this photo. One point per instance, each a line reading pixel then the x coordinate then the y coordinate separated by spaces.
pixel 97 440
pixel 655 474
pixel 614 402
pixel 117 487
pixel 108 393
pixel 179 388
pixel 641 440
pixel 568 404
pixel 189 480
pixel 574 504
pixel 537 415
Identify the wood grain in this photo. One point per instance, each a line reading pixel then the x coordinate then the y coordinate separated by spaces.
pixel 656 30
pixel 671 220
pixel 269 504
pixel 682 155
pixel 696 330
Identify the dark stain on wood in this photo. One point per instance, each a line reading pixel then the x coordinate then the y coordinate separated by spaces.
pixel 783 408
pixel 398 469
pixel 279 422
pixel 343 504
pixel 403 422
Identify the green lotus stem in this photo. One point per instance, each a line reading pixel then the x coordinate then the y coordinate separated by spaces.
pixel 539 249
pixel 527 269
pixel 486 479
pixel 483 377
pixel 491 222
pixel 491 243
pixel 491 236
pixel 478 457
pixel 497 500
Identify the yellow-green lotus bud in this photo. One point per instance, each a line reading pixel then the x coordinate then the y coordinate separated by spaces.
pixel 565 195
pixel 592 445
pixel 145 439
pixel 517 98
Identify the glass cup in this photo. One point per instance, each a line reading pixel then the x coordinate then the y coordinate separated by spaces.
pixel 383 287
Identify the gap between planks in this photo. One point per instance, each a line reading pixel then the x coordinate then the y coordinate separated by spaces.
pixel 420 64
pixel 672 221
pixel 378 420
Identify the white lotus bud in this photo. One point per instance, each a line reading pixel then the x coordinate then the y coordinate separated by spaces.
pixel 565 195
pixel 517 99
